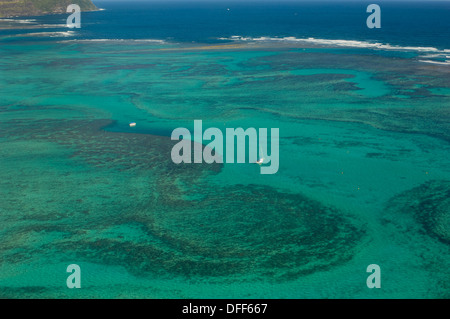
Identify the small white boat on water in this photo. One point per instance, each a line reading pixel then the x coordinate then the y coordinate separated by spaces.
pixel 261 160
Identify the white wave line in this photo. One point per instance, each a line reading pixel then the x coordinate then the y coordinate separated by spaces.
pixel 341 43
pixel 119 40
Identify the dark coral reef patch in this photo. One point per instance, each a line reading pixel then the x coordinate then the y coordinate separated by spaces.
pixel 429 204
pixel 155 217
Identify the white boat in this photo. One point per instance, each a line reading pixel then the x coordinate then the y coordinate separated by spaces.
pixel 261 160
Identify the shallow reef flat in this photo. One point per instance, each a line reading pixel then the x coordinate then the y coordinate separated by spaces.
pixel 363 176
pixel 117 199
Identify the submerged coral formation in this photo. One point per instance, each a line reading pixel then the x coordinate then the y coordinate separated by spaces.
pixel 240 230
pixel 429 204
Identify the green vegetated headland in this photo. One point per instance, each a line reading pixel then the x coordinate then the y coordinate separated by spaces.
pixel 12 8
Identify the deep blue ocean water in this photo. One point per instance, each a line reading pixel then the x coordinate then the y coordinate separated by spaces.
pixel 418 24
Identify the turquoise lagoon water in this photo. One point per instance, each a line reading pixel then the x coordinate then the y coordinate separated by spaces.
pixel 364 173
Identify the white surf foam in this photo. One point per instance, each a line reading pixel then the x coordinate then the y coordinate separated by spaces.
pixel 339 43
pixel 436 62
pixel 22 21
pixel 430 52
pixel 118 40
pixel 48 34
